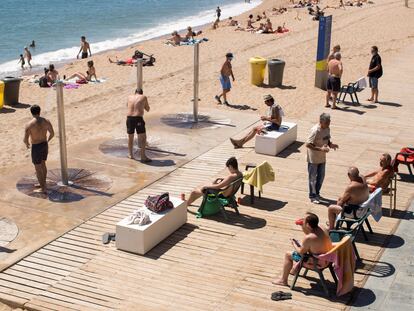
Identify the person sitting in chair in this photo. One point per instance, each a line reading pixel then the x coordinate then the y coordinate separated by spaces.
pixel 220 185
pixel 316 241
pixel 355 194
pixel 273 120
pixel 381 177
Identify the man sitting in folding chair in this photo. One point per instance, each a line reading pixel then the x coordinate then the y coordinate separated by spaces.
pixel 355 194
pixel 316 241
pixel 220 185
pixel 381 178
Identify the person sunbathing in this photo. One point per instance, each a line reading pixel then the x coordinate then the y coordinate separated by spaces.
pixel 90 73
pixel 273 120
pixel 191 34
pixel 268 27
pixel 316 241
pixel 232 22
pixel 281 29
pixel 176 39
pixel 355 194
pixel 53 74
pixel 381 178
pixel 220 185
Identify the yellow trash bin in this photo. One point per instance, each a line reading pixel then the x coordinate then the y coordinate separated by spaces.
pixel 1 94
pixel 257 69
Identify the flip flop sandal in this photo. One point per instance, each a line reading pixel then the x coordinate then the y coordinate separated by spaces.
pixel 276 296
pixel 108 237
pixel 327 106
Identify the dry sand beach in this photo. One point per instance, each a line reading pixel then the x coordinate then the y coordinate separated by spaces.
pixel 95 113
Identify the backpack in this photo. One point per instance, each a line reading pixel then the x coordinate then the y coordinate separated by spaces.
pixel 159 203
pixel 43 82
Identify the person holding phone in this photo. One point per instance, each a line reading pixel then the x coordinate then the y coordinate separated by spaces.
pixel 316 241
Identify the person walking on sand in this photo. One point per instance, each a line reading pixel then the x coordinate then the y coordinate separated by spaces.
pixel 218 12
pixel 225 73
pixel 137 105
pixel 374 73
pixel 84 48
pixel 333 85
pixel 37 130
pixel 318 145
pixel 21 61
pixel 28 56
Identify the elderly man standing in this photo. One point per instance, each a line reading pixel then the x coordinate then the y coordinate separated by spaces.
pixel 318 144
pixel 333 85
pixel 374 73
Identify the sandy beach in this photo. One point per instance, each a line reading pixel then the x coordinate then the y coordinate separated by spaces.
pixel 97 110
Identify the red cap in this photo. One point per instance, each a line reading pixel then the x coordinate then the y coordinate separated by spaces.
pixel 299 222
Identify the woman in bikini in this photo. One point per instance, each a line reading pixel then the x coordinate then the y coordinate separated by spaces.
pixel 89 73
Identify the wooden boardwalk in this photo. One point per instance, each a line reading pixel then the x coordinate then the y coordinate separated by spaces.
pixel 209 264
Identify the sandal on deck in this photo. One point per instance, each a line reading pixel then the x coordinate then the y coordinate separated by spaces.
pixel 276 296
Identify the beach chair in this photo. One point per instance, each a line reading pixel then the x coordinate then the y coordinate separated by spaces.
pixel 319 266
pixel 250 165
pixel 214 202
pixel 405 156
pixel 352 89
pixel 338 235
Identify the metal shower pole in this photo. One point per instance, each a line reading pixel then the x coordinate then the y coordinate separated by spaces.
pixel 62 133
pixel 196 80
pixel 140 79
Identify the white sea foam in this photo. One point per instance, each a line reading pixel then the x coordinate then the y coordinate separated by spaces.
pixel 66 54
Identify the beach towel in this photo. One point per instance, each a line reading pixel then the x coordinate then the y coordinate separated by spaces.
pixel 374 204
pixel 259 176
pixel 343 258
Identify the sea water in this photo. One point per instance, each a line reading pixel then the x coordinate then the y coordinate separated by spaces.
pixel 57 25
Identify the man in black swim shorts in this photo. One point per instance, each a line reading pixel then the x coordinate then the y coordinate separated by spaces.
pixel 37 130
pixel 355 194
pixel 84 48
pixel 333 85
pixel 137 105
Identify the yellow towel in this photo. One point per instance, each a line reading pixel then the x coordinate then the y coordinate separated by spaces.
pixel 259 176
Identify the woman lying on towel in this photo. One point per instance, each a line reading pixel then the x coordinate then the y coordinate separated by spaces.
pixel 131 61
pixel 85 78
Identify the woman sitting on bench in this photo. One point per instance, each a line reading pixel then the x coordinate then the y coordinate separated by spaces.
pixel 273 121
pixel 220 185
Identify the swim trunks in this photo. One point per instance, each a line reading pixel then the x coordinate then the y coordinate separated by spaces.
pixel 350 208
pixel 272 127
pixel 39 152
pixel 135 123
pixel 225 83
pixel 333 84
pixel 84 55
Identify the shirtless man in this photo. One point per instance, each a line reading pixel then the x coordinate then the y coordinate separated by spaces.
pixel 272 122
pixel 37 130
pixel 381 177
pixel 137 104
pixel 355 194
pixel 53 74
pixel 316 241
pixel 176 39
pixel 220 184
pixel 335 49
pixel 333 84
pixel 225 73
pixel 84 48
pixel 28 56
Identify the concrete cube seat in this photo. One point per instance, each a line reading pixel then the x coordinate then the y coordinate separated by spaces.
pixel 274 142
pixel 140 239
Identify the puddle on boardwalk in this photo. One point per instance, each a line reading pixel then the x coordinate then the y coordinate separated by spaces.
pixel 186 120
pixel 82 183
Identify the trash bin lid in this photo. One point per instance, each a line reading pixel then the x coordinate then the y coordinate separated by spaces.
pixel 258 60
pixel 11 79
pixel 276 61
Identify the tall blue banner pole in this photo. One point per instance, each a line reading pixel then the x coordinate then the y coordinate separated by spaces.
pixel 322 53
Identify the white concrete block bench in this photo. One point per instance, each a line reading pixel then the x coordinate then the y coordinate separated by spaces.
pixel 274 142
pixel 140 239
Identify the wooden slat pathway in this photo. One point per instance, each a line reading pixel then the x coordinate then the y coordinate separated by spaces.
pixel 209 264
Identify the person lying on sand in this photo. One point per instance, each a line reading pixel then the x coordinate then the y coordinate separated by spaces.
pixel 281 29
pixel 176 39
pixel 89 73
pixel 232 22
pixel 215 24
